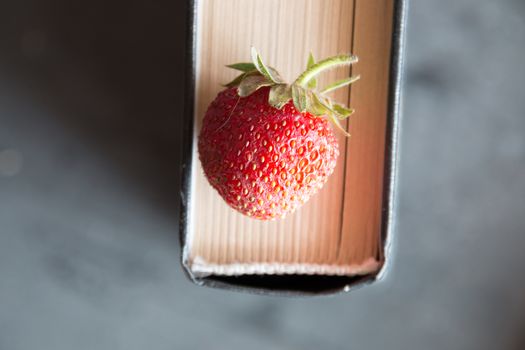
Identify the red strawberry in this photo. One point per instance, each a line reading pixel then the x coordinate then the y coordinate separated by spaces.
pixel 264 145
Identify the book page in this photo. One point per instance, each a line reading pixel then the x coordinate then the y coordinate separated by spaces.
pixel 337 231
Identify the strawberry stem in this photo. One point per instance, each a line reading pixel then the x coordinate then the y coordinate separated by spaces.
pixel 339 84
pixel 303 92
pixel 321 66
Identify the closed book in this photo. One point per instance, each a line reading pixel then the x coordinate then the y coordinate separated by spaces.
pixel 340 237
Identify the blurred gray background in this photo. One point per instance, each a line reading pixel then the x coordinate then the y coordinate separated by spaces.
pixel 90 108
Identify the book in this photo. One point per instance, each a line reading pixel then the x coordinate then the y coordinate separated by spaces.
pixel 338 237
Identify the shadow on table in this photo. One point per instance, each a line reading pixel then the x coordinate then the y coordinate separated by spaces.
pixel 112 73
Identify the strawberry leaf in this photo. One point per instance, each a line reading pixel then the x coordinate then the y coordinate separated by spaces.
pixel 311 61
pixel 338 124
pixel 317 107
pixel 275 75
pixel 252 83
pixel 299 98
pixel 236 81
pixel 280 94
pixel 321 106
pixel 339 84
pixel 312 84
pixel 342 111
pixel 243 66
pixel 261 67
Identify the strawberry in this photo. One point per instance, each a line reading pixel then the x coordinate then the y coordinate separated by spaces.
pixel 267 146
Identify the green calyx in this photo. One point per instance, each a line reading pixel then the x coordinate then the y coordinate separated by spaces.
pixel 303 92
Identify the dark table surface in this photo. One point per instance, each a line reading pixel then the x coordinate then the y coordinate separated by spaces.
pixel 90 110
